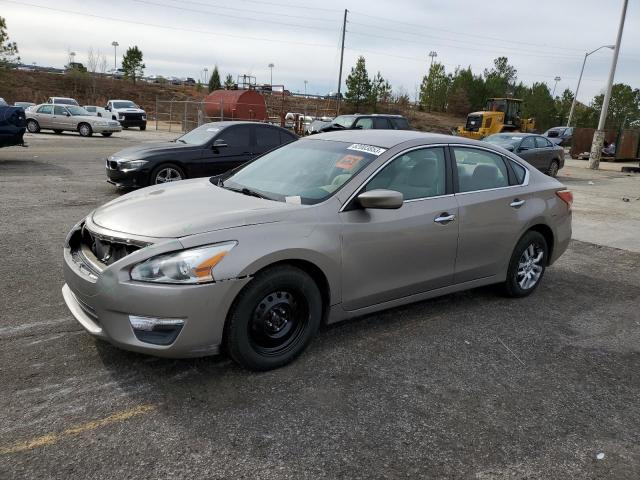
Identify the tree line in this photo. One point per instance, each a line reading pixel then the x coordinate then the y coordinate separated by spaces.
pixel 463 91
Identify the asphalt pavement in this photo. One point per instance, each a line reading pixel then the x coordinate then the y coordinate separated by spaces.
pixel 470 385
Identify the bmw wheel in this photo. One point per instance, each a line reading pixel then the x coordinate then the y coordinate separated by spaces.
pixel 165 173
pixel 274 318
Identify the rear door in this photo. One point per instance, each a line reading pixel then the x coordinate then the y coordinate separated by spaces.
pixel 239 146
pixel 546 152
pixel 267 138
pixel 493 210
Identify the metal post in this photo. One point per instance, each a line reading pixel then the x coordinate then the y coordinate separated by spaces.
pixel 557 79
pixel 170 112
pixel 184 118
pixel 156 112
pixel 575 95
pixel 344 31
pixel 221 110
pixel 598 136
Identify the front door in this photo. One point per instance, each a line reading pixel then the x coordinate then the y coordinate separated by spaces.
pixel 238 148
pixel 390 254
pixel 528 151
pixel 60 120
pixel 492 213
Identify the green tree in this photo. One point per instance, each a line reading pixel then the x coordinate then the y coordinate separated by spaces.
pixel 229 84
pixel 435 88
pixel 624 106
pixel 132 63
pixel 563 106
pixel 500 80
pixel 8 49
pixel 380 90
pixel 358 84
pixel 458 102
pixel 214 81
pixel 539 104
pixel 474 87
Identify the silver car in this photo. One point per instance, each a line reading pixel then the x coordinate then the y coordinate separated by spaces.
pixel 71 118
pixel 322 229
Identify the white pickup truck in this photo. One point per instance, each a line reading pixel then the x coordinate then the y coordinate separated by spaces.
pixel 124 111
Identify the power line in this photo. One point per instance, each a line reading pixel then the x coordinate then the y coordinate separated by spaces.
pixel 261 12
pixel 167 27
pixel 493 48
pixel 243 18
pixel 290 5
pixel 422 27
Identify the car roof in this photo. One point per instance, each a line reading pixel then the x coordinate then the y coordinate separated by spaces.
pixel 515 134
pixel 390 138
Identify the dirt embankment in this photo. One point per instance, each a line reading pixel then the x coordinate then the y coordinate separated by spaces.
pixel 16 85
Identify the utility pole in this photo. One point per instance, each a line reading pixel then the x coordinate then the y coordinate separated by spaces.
pixel 271 65
pixel 598 136
pixel 344 31
pixel 557 79
pixel 115 46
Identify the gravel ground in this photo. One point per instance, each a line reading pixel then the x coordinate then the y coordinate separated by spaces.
pixel 471 385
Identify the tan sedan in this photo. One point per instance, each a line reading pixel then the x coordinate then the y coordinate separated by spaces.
pixel 71 118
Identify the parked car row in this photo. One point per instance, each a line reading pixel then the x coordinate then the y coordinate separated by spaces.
pixel 62 117
pixel 253 260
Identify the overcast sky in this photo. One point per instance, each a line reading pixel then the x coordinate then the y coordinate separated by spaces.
pixel 543 39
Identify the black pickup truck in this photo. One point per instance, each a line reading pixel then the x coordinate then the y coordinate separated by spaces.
pixel 13 124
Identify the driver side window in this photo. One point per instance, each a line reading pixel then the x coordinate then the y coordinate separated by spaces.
pixel 236 137
pixel 59 110
pixel 416 174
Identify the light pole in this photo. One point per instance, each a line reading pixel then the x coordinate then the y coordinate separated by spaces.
pixel 72 58
pixel 271 65
pixel 206 76
pixel 433 55
pixel 115 46
pixel 575 95
pixel 557 79
pixel 598 136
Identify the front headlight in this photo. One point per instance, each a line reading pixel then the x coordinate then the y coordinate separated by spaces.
pixel 144 117
pixel 131 164
pixel 185 267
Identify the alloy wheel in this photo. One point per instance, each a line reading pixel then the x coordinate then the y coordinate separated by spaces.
pixel 168 174
pixel 530 266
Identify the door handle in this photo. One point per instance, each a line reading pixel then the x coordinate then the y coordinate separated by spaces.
pixel 517 203
pixel 444 218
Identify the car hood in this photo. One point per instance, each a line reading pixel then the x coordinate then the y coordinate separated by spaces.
pixel 186 208
pixel 90 118
pixel 146 149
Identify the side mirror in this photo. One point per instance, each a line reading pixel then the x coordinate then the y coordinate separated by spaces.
pixel 67 114
pixel 381 199
pixel 107 108
pixel 219 143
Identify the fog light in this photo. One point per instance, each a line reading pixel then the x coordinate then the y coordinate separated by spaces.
pixel 159 331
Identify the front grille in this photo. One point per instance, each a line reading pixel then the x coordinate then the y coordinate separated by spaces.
pixel 132 116
pixel 105 250
pixel 474 122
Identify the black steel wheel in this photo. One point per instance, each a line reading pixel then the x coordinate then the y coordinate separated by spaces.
pixel 274 318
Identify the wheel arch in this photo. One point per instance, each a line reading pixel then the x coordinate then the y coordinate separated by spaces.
pixel 547 233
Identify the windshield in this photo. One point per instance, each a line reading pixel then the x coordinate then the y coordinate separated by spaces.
pixel 124 105
pixel 504 139
pixel 344 121
pixel 77 111
pixel 200 135
pixel 304 172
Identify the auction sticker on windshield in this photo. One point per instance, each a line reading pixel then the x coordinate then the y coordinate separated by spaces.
pixel 360 147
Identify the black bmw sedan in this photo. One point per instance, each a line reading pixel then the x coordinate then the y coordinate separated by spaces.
pixel 208 150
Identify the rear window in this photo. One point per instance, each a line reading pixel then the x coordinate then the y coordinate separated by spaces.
pixel 400 123
pixel 519 172
pixel 542 142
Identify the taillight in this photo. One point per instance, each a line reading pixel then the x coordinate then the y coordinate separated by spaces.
pixel 566 196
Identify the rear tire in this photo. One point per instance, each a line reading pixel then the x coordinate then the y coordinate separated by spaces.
pixel 143 127
pixel 273 319
pixel 33 126
pixel 553 169
pixel 85 130
pixel 527 265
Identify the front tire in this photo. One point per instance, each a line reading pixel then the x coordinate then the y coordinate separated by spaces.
pixel 33 126
pixel 85 130
pixel 553 169
pixel 527 265
pixel 165 173
pixel 273 319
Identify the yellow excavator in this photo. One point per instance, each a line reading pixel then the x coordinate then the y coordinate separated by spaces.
pixel 499 115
